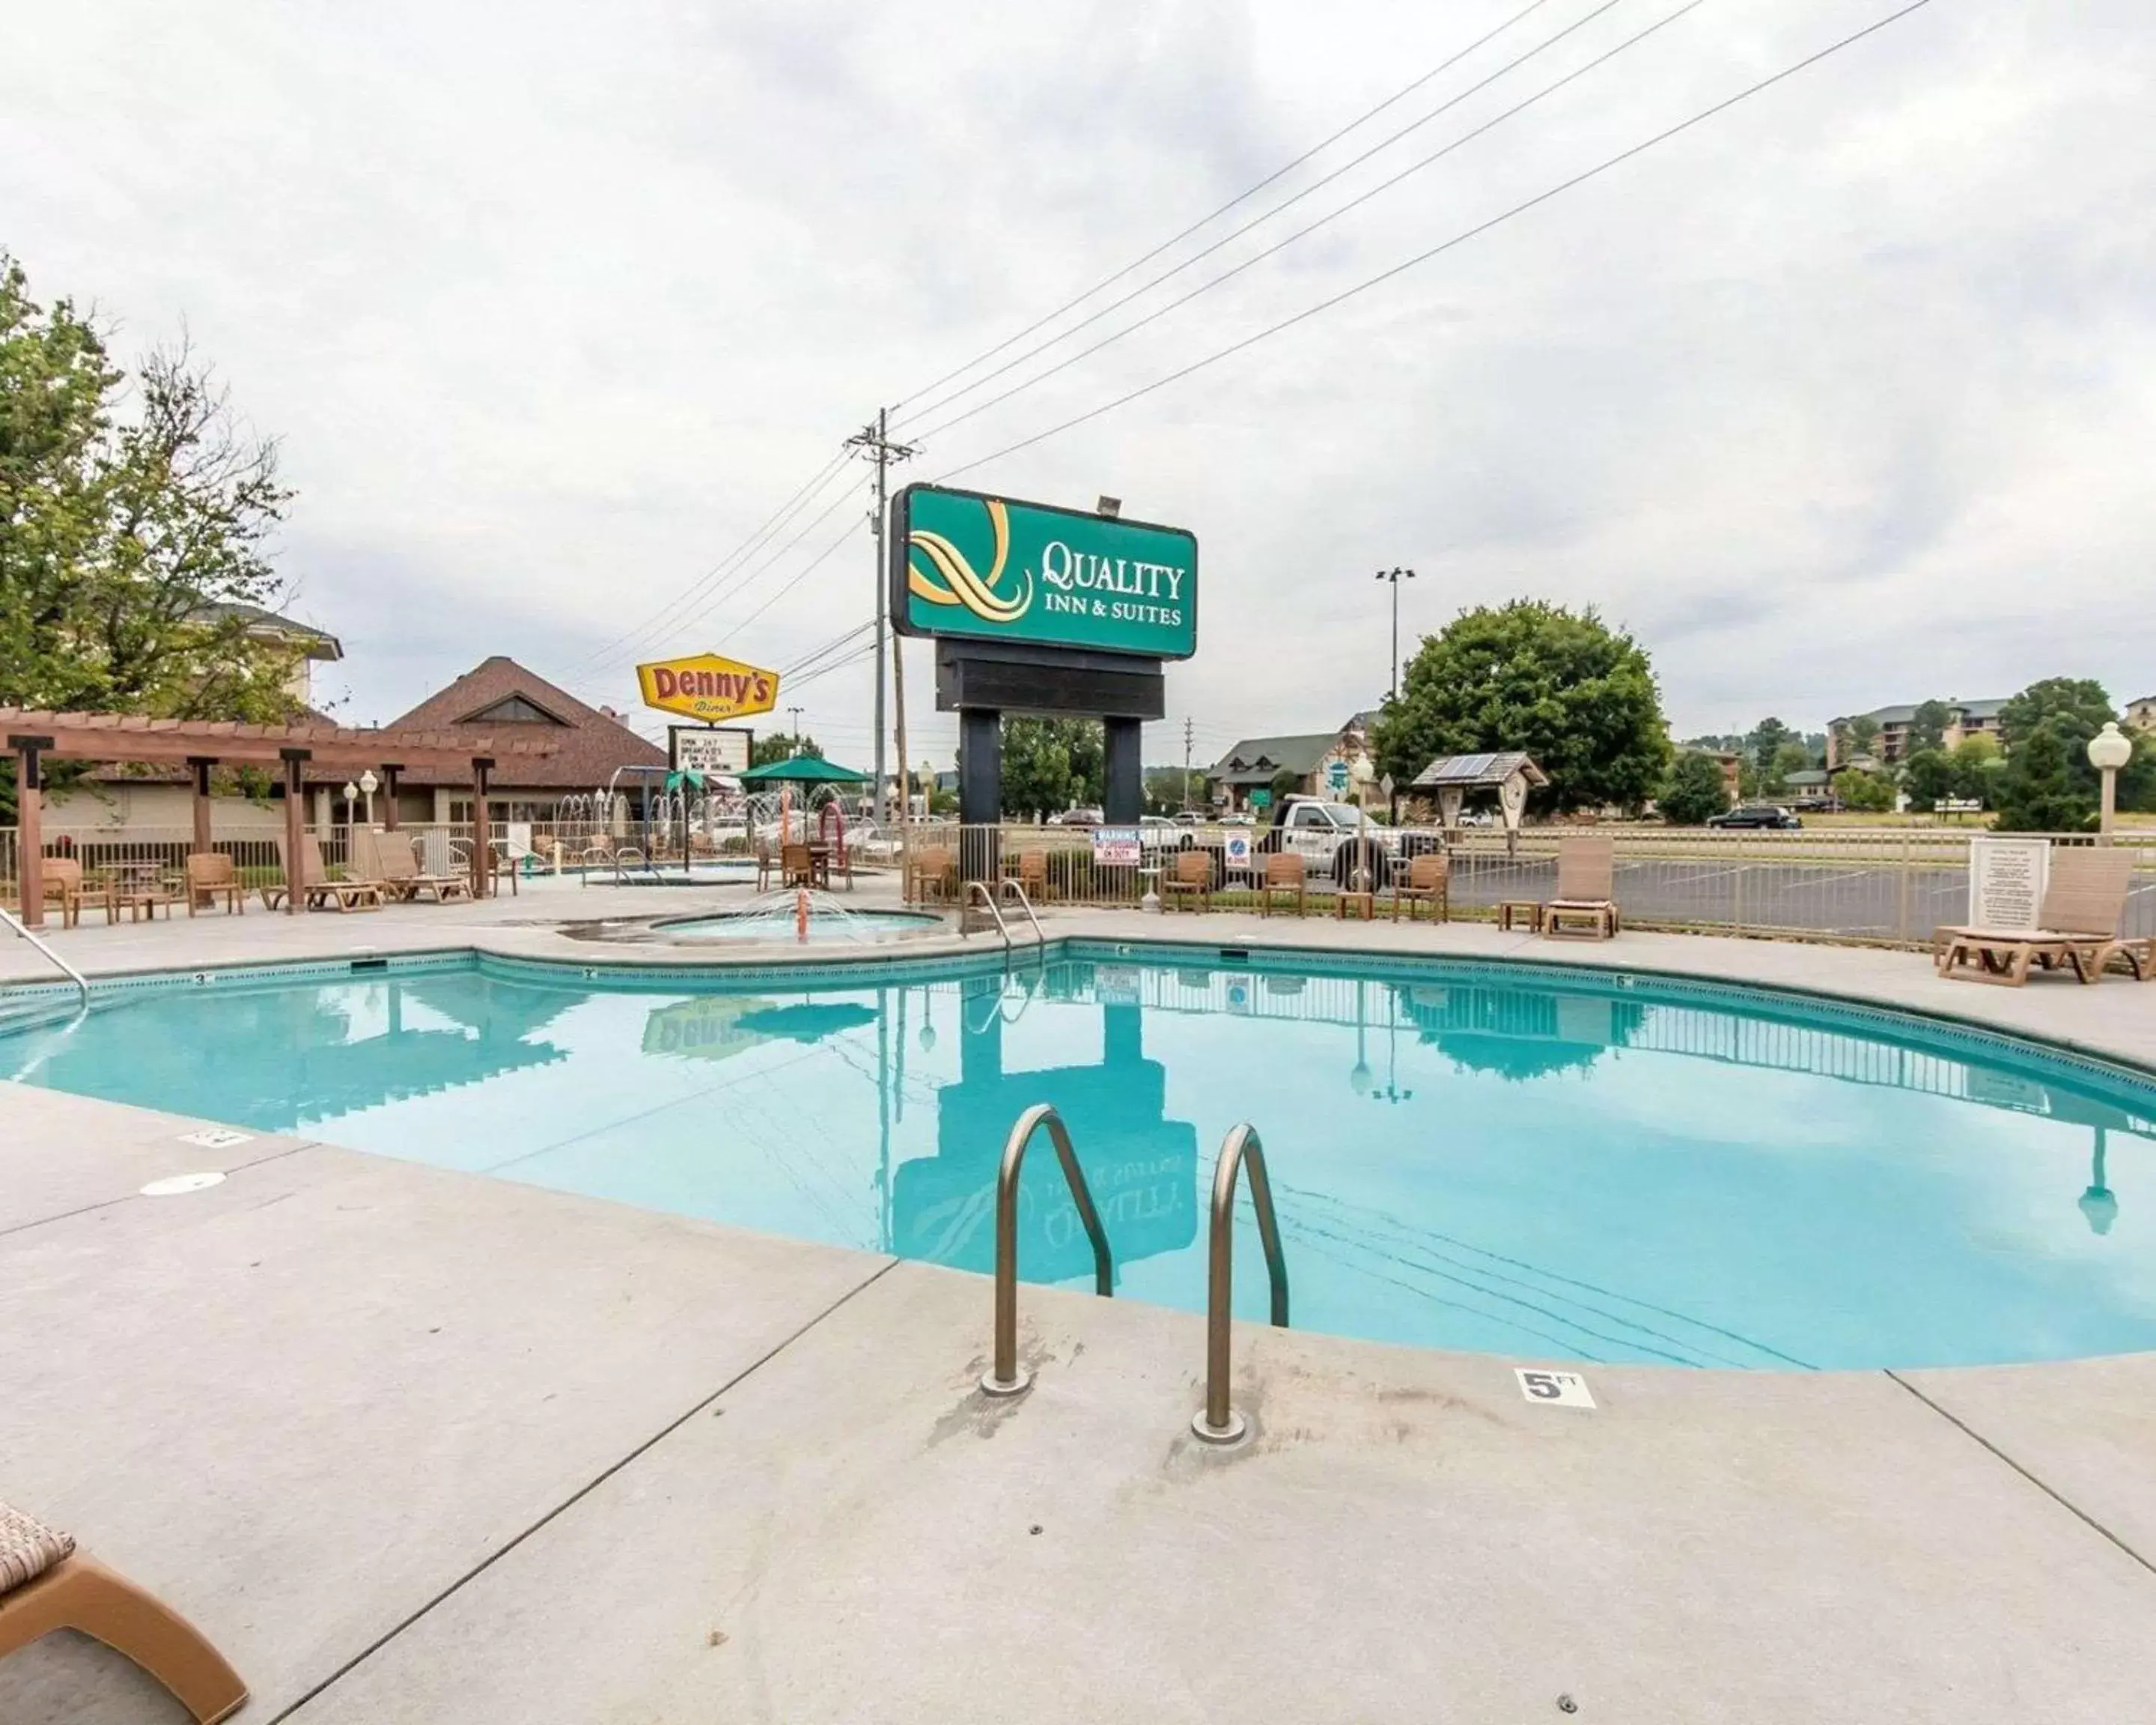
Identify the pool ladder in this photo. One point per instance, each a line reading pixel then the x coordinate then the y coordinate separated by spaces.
pixel 1218 1421
pixel 980 889
pixel 74 976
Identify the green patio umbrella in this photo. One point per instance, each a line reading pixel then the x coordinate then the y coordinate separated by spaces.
pixel 803 769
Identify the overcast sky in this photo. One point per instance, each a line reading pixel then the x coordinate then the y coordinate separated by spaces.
pixel 1845 396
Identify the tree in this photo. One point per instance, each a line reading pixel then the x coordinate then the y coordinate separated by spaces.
pixel 770 750
pixel 2038 793
pixel 1286 784
pixel 1928 726
pixel 1928 777
pixel 133 545
pixel 1578 696
pixel 1977 764
pixel 1694 791
pixel 1050 765
pixel 1790 757
pixel 1169 789
pixel 1862 733
pixel 1867 792
pixel 1763 744
pixel 2075 709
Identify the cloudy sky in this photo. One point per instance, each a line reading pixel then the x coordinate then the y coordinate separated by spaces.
pixel 1844 396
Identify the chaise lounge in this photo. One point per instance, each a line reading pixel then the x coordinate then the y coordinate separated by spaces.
pixel 2077 928
pixel 46 1584
pixel 1586 901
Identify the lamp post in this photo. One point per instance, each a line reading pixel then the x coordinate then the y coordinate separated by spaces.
pixel 1396 575
pixel 2109 751
pixel 368 785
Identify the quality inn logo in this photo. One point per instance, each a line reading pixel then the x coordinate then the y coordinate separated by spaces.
pixel 1078 583
pixel 959 585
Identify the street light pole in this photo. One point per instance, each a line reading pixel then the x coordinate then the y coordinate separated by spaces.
pixel 2109 751
pixel 1396 575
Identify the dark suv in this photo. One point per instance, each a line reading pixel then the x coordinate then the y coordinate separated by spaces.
pixel 1756 814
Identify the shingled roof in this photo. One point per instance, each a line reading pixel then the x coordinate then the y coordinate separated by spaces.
pixel 498 697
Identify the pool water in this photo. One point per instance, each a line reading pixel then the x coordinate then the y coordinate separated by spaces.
pixel 825 926
pixel 1467 1156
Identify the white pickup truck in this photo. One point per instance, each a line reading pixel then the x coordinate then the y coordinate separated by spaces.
pixel 1324 835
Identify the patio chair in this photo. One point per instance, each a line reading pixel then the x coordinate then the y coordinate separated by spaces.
pixel 1190 881
pixel 797 865
pixel 1586 901
pixel 211 875
pixel 1032 876
pixel 391 859
pixel 931 872
pixel 765 863
pixel 46 1584
pixel 1428 881
pixel 63 882
pixel 1284 876
pixel 316 884
pixel 2078 928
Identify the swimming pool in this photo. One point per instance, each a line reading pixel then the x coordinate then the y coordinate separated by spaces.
pixel 1532 1163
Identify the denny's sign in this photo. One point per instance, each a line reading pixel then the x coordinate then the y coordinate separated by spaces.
pixel 963 563
pixel 708 687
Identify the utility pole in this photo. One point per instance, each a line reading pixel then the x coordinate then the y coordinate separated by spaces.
pixel 1186 763
pixel 795 712
pixel 874 441
pixel 1396 575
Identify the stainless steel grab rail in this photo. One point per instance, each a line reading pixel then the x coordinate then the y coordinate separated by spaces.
pixel 988 899
pixel 1007 1376
pixel 1025 903
pixel 74 976
pixel 1217 1422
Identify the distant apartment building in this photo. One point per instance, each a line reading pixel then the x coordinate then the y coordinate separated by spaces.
pixel 2141 713
pixel 1965 719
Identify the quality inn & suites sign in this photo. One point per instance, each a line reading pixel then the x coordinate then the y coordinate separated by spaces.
pixel 705 686
pixel 987 567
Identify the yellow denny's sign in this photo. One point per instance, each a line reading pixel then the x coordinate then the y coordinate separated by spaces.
pixel 708 687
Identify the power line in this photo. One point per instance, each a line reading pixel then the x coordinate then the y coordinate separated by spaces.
pixel 809 659
pixel 1168 275
pixel 1457 240
pixel 822 478
pixel 1368 115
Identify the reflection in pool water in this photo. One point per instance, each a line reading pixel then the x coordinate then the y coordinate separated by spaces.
pixel 1465 1156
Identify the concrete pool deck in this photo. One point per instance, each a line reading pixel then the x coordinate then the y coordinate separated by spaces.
pixel 414 1445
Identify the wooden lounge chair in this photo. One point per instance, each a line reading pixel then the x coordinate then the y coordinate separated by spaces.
pixel 315 883
pixel 1284 876
pixel 2077 927
pixel 931 872
pixel 211 876
pixel 390 859
pixel 46 1584
pixel 1190 881
pixel 63 877
pixel 1586 901
pixel 1428 881
pixel 1033 875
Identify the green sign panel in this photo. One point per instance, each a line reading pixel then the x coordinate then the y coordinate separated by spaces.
pixel 1262 799
pixel 967 564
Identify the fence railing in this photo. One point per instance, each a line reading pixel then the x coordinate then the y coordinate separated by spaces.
pixel 1877 885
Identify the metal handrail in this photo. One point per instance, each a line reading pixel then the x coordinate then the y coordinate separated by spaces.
pixel 1217 1422
pixel 74 976
pixel 1007 1376
pixel 988 899
pixel 1007 885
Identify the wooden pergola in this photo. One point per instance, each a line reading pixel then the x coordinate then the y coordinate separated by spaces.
pixel 202 744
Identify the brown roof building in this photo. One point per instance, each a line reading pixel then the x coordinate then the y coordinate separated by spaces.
pixel 496 698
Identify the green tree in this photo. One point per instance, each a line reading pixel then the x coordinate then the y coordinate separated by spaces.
pixel 1867 792
pixel 1284 784
pixel 1928 726
pixel 1861 733
pixel 1578 696
pixel 1763 745
pixel 1791 758
pixel 1976 763
pixel 1694 790
pixel 1928 776
pixel 1170 788
pixel 1050 765
pixel 133 546
pixel 2038 793
pixel 770 750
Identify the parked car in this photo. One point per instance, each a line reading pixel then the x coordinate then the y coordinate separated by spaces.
pixel 1078 818
pixel 1766 816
